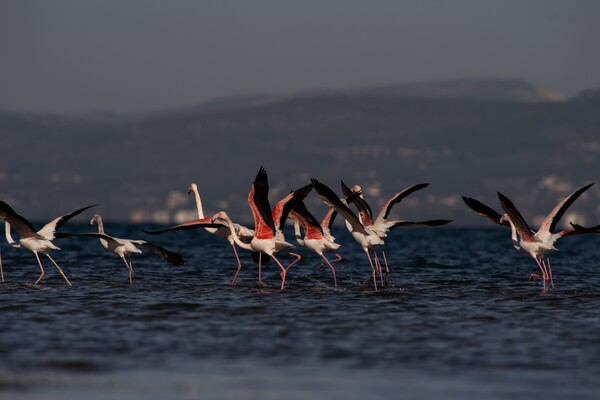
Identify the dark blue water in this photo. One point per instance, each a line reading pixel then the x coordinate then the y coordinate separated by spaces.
pixel 458 318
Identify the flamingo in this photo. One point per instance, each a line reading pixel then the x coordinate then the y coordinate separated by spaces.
pixel 381 225
pixel 36 242
pixel 317 236
pixel 124 248
pixel 364 235
pixel 268 237
pixel 223 231
pixel 536 244
pixel 268 224
pixel 222 218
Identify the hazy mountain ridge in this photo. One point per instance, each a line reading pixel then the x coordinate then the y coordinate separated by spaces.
pixel 474 89
pixel 534 152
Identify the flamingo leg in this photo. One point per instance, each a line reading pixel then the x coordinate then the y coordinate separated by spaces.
pixel 378 265
pixel 239 263
pixel 260 282
pixel 128 269
pixel 59 269
pixel 283 271
pixel 130 272
pixel 533 276
pixel 544 273
pixel 298 257
pixel 336 259
pixel 41 268
pixel 550 271
pixel 332 269
pixel 1 271
pixel 387 269
pixel 372 269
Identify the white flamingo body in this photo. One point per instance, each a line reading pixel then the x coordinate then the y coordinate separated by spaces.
pixel 36 242
pixel 268 223
pixel 315 238
pixel 124 248
pixel 536 244
pixel 380 226
pixel 224 231
pixel 363 235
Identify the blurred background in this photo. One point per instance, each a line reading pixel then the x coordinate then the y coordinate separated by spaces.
pixel 125 103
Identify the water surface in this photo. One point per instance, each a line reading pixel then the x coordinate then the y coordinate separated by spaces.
pixel 458 318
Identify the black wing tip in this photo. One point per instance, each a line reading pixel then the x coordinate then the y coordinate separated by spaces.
pixel 178 261
pixel 471 202
pixel 317 184
pixel 173 258
pixel 303 191
pixel 7 208
pixel 505 202
pixel 60 235
pixel 85 208
pixel 583 189
pixel 579 228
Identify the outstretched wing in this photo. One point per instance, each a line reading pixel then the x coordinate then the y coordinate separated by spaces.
pixel 581 229
pixel 173 258
pixel 19 223
pixel 516 217
pixel 433 222
pixel 258 199
pixel 556 214
pixel 330 198
pixel 484 210
pixel 193 224
pixel 308 221
pixel 283 207
pixel 364 210
pixel 328 220
pixel 49 230
pixel 397 198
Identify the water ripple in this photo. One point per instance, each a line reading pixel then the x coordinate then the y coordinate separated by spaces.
pixel 457 312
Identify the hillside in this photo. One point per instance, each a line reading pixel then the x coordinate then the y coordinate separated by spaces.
pixel 140 167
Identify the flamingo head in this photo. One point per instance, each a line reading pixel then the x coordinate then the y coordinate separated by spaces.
pixel 96 219
pixel 221 215
pixel 504 218
pixel 356 189
pixel 192 188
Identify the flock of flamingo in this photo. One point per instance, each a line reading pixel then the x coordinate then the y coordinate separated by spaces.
pixel 267 238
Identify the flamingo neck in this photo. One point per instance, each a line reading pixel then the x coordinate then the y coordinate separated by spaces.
pixel 9 238
pixel 234 235
pixel 100 224
pixel 297 233
pixel 198 202
pixel 513 235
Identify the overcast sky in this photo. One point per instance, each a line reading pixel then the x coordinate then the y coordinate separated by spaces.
pixel 116 55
